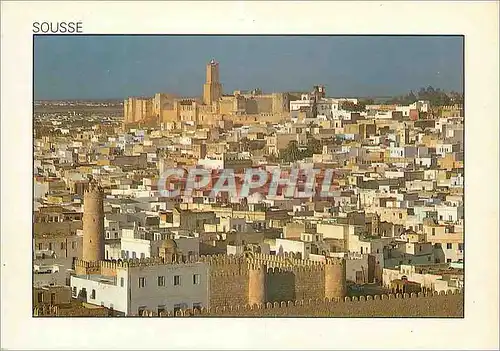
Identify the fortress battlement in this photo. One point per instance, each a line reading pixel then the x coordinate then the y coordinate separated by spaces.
pixel 288 260
pixel 433 304
pixel 442 304
pixel 273 264
pixel 229 274
pixel 295 270
pixel 220 260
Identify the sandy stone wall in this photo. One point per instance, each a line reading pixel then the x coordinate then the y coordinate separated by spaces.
pixel 64 228
pixel 414 305
pixel 309 282
pixel 228 289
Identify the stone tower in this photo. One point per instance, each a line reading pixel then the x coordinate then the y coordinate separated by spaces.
pixel 257 284
pixel 93 223
pixel 281 102
pixel 335 279
pixel 212 89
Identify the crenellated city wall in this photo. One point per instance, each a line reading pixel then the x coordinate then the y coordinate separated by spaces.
pixel 249 279
pixel 444 304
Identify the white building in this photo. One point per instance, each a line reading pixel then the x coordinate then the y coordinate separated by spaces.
pixel 421 105
pixel 430 281
pixel 442 149
pixel 128 248
pixel 163 287
pixel 132 248
pixel 450 213
pixel 293 246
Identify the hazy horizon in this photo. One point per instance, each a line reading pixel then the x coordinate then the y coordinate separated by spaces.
pixel 114 67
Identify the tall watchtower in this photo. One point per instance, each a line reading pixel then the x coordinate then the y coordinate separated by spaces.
pixel 93 223
pixel 212 89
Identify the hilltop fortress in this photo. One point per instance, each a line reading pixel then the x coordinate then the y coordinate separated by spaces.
pixel 167 109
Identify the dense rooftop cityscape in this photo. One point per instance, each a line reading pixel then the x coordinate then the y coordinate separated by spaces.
pixel 249 203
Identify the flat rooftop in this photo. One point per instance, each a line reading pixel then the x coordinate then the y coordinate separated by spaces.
pixel 98 278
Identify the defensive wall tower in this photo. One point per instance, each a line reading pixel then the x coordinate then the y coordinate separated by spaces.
pixel 257 284
pixel 335 279
pixel 93 223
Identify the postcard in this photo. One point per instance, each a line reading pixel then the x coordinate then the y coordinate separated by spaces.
pixel 288 173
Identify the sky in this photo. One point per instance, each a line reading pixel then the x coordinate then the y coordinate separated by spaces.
pixel 108 67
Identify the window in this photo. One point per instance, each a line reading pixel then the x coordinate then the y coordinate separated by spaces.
pixel 50 246
pixel 142 282
pixel 161 281
pixel 448 260
pixel 378 250
pixel 122 282
pixel 123 254
pixel 177 280
pixel 433 231
pixel 73 245
pixel 460 246
pixel 449 246
pixel 40 297
pixel 62 245
pixel 40 247
pixel 73 291
pixel 134 255
pixel 92 295
pixel 400 216
pixel 196 279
